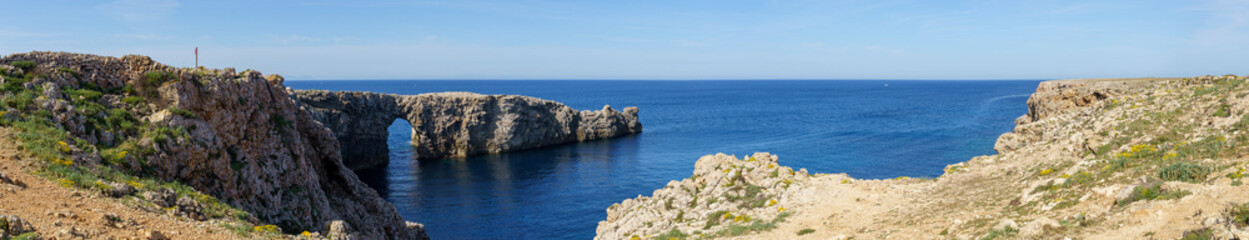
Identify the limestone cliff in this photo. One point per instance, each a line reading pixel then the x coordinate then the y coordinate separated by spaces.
pixel 458 124
pixel 1092 159
pixel 238 136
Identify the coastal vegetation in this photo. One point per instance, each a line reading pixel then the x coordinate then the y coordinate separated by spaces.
pixel 1120 158
pixel 123 170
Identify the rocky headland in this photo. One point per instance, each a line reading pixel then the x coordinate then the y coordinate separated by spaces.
pixel 1092 159
pixel 457 124
pixel 153 151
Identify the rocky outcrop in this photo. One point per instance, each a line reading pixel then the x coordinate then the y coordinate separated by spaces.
pixel 1063 96
pixel 1154 158
pixel 724 192
pixel 458 124
pixel 237 136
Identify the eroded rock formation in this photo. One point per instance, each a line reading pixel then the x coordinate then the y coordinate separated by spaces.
pixel 458 124
pixel 237 136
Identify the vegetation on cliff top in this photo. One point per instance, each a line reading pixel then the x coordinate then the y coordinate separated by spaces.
pixel 122 161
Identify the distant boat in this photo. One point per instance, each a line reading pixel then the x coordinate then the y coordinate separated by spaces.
pixel 886 85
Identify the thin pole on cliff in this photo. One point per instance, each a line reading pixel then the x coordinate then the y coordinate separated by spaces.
pixel 196 57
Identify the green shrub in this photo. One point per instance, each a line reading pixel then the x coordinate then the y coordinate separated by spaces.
pixel 24 65
pixel 1223 111
pixel 671 234
pixel 27 236
pixel 1152 191
pixel 1239 215
pixel 713 219
pixel 158 78
pixel 805 231
pixel 133 100
pixel 1183 171
pixel 82 94
pixel 1199 234
pixel 68 70
pixel 182 112
pixel 1003 233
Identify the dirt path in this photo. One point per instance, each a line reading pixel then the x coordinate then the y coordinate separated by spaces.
pixel 57 212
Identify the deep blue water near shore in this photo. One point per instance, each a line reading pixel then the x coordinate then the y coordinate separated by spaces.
pixel 863 128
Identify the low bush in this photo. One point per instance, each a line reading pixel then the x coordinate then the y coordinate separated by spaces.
pixel 1184 171
pixel 24 65
pixel 1152 191
pixel 805 231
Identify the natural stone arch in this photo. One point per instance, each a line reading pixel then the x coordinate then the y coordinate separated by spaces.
pixel 457 124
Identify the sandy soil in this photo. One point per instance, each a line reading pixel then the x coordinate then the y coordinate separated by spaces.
pixel 63 213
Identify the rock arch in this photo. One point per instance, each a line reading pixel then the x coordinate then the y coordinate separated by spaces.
pixel 457 124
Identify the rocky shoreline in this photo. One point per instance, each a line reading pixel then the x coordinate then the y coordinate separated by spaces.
pixel 236 150
pixel 1092 159
pixel 457 124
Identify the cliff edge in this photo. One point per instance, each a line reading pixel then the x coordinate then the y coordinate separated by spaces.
pixel 190 142
pixel 1092 159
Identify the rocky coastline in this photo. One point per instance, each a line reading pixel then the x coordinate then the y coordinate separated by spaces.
pixel 457 124
pixel 1150 158
pixel 233 152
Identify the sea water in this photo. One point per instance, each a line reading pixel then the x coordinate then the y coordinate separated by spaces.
pixel 865 128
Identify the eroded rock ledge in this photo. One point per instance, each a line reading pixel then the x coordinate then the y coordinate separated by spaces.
pixel 457 124
pixel 237 136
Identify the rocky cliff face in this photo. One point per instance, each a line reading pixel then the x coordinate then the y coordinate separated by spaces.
pixel 237 136
pixel 458 124
pixel 1093 159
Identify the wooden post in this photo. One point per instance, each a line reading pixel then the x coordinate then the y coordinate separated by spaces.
pixel 196 57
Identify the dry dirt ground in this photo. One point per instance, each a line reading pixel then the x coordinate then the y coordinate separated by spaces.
pixel 58 212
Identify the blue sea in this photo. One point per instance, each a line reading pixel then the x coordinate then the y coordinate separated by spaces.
pixel 865 128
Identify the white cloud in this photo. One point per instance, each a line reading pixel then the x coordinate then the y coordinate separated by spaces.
pixel 139 10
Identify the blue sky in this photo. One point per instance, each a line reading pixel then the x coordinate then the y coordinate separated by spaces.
pixel 694 39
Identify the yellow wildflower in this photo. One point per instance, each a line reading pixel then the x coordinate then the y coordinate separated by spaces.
pixel 771 202
pixel 65 182
pixel 727 216
pixel 135 184
pixel 739 218
pixel 635 237
pixel 306 234
pixel 903 178
pixel 782 209
pixel 1065 175
pixel 64 147
pixel 845 181
pixel 1047 171
pixel 265 228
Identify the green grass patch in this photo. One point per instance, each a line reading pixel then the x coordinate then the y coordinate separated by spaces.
pixel 133 100
pixel 24 65
pixel 1199 234
pixel 672 234
pixel 1184 171
pixel 1151 191
pixel 182 112
pixel 1005 232
pixel 805 231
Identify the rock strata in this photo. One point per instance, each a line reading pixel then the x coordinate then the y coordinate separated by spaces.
pixel 237 136
pixel 458 124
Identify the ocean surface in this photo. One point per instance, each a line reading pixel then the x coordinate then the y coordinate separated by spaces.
pixel 868 129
